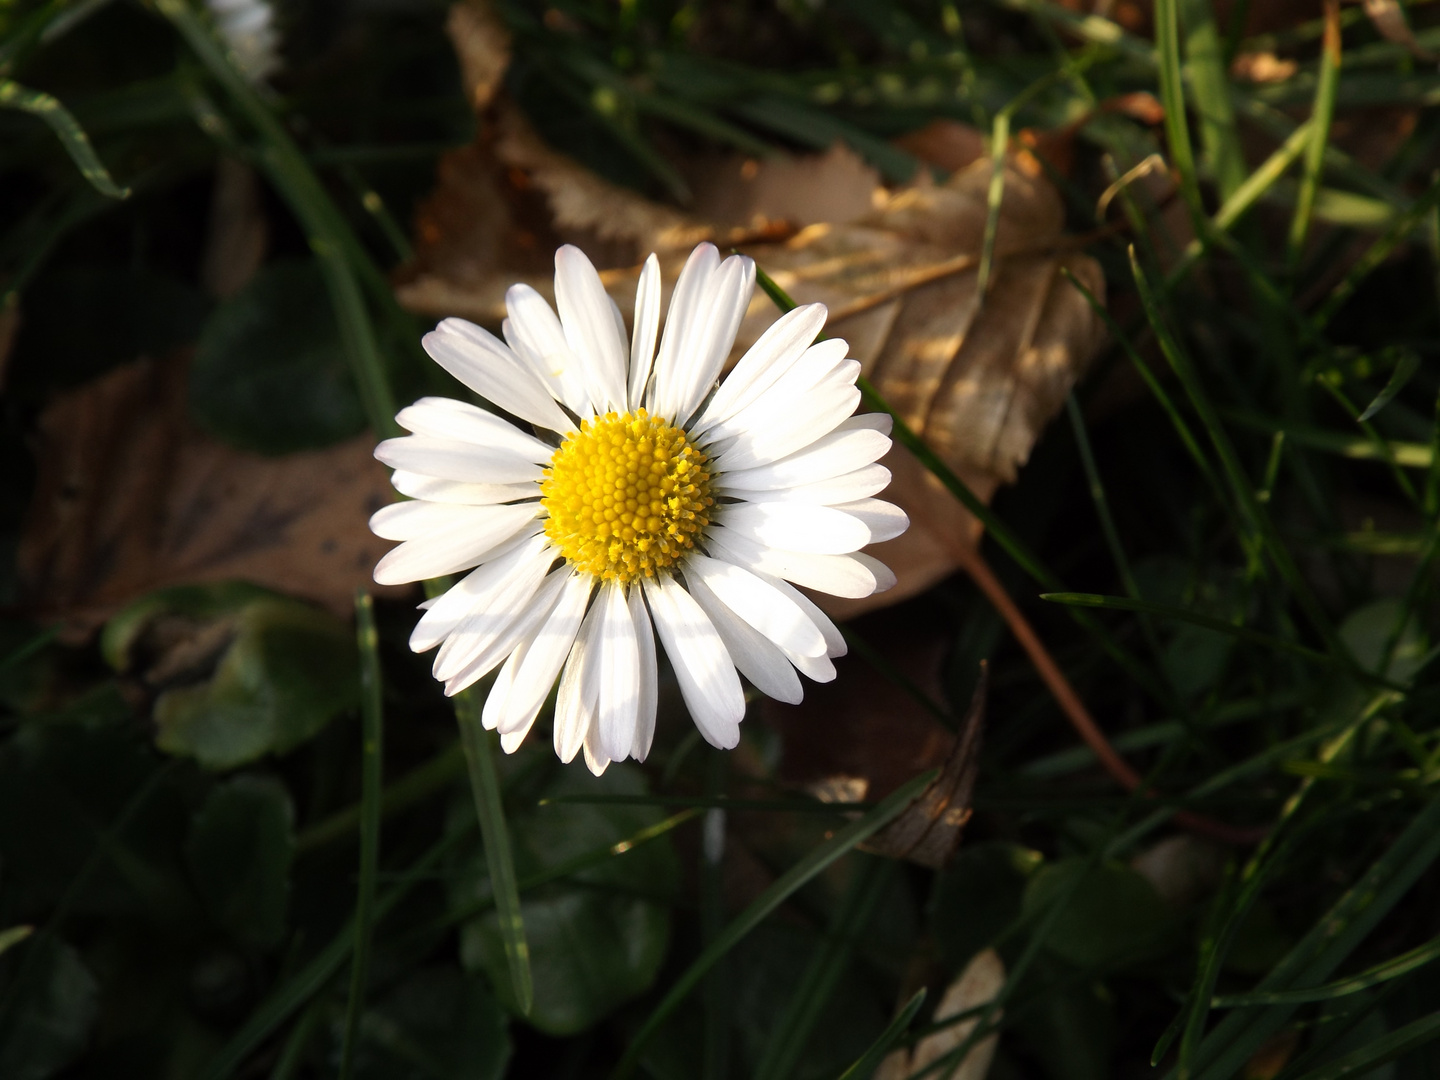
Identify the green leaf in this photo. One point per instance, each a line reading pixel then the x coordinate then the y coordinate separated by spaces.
pixel 1368 630
pixel 438 1023
pixel 49 1025
pixel 239 850
pixel 1071 1028
pixel 259 673
pixel 977 896
pixel 1114 916
pixel 270 373
pixel 597 939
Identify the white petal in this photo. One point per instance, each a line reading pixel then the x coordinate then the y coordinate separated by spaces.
pixel 815 668
pixel 818 366
pixel 579 691
pixel 546 653
pixel 488 366
pixel 835 644
pixel 433 489
pixel 451 459
pixel 589 322
pixel 884 520
pixel 619 658
pixel 878 421
pixel 759 659
pixel 534 332
pixel 498 619
pixel 647 329
pixel 764 363
pixel 649 678
pixel 476 590
pixel 595 759
pixel 480 656
pixel 842 451
pixel 884 576
pixel 500 689
pixel 761 605
pixel 786 424
pixel 707 678
pixel 511 742
pixel 446 418
pixel 795 526
pixel 845 488
pixel 838 575
pixel 710 341
pixel 414 519
pixel 468 535
pixel 687 310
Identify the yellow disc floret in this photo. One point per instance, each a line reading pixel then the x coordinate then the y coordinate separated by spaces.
pixel 625 495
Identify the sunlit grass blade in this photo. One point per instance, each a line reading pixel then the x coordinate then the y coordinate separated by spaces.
pixel 1410 455
pixel 1387 1048
pixel 1409 364
pixel 704 802
pixel 792 1031
pixel 490 811
pixel 1321 115
pixel 1172 96
pixel 372 742
pixel 1220 626
pixel 1210 85
pixel 67 129
pixel 1353 984
pixel 765 904
pixel 330 241
pixel 12 937
pixel 316 975
pixel 868 1062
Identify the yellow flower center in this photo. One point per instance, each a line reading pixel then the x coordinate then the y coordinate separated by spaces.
pixel 625 496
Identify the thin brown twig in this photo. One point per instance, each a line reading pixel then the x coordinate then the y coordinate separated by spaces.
pixel 1074 709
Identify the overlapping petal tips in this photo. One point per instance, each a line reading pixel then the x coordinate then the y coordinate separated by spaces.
pixel 490 368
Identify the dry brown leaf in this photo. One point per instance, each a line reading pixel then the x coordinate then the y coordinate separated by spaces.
pixel 1388 18
pixel 979 378
pixel 928 830
pixel 979 983
pixel 131 497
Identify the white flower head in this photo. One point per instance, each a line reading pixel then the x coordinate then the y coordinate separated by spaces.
pixel 645 501
pixel 248 31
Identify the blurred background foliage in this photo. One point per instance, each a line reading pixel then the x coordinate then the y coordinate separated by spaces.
pixel 182 808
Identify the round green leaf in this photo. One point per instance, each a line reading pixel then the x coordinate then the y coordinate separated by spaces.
pixel 49 1022
pixel 598 938
pixel 270 372
pixel 1113 916
pixel 240 848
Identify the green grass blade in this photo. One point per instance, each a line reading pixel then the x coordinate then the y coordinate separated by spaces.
pixel 1172 96
pixel 1408 366
pixel 1241 487
pixel 372 726
pixel 329 235
pixel 418 784
pixel 869 1061
pixel 1333 938
pixel 792 1031
pixel 12 937
pixel 485 786
pixel 717 997
pixel 994 195
pixel 1385 1049
pixel 1321 115
pixel 1220 626
pixel 765 904
pixel 1210 91
pixel 1374 976
pixel 317 974
pixel 67 129
pixel 292 1055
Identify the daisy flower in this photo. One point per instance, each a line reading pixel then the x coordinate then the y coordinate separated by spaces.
pixel 631 497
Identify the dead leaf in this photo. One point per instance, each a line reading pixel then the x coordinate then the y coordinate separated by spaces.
pixel 1262 67
pixel 482 46
pixel 978 377
pixel 928 830
pixel 862 736
pixel 979 983
pixel 131 497
pixel 1183 869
